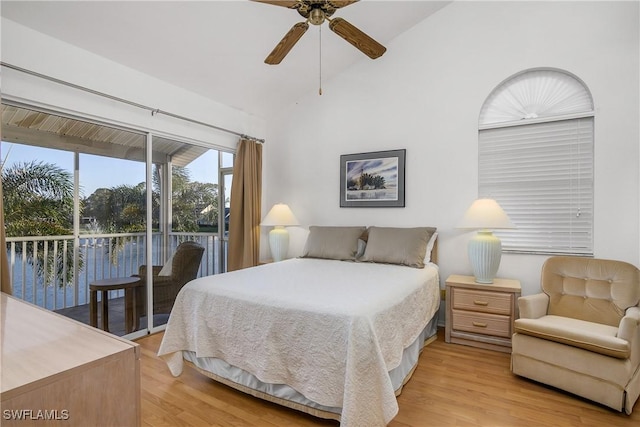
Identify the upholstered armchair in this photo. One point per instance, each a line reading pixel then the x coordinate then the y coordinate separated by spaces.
pixel 582 333
pixel 169 279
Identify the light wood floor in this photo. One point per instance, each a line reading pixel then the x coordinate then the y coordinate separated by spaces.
pixel 453 385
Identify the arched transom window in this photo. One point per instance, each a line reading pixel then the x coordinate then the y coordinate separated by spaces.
pixel 536 159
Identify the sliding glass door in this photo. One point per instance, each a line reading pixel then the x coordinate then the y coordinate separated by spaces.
pixel 81 210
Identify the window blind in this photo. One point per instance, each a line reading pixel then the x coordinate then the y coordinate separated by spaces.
pixel 533 94
pixel 542 176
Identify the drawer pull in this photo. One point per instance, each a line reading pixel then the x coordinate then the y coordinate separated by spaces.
pixel 480 324
pixel 478 302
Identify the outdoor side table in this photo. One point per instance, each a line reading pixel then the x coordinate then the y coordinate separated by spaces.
pixel 129 284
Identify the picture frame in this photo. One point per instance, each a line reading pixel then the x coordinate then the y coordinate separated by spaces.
pixel 374 179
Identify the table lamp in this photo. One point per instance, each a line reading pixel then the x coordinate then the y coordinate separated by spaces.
pixel 485 249
pixel 279 217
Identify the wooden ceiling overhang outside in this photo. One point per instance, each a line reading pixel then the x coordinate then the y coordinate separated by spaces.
pixel 43 129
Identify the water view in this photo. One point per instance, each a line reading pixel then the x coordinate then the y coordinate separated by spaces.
pixel 97 263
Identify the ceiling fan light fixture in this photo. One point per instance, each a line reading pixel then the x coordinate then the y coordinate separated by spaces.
pixel 317 16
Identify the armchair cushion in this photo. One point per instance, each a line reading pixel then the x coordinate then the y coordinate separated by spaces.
pixel 595 290
pixel 590 336
pixel 167 269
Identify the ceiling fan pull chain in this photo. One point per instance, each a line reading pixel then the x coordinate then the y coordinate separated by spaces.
pixel 320 60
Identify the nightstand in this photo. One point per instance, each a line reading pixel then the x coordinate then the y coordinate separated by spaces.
pixel 481 315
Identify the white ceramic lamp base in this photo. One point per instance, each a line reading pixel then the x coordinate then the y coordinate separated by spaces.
pixel 279 243
pixel 485 251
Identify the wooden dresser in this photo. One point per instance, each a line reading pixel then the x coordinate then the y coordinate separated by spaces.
pixel 59 372
pixel 481 315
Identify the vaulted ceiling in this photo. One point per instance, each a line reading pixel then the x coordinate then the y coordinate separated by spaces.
pixel 217 48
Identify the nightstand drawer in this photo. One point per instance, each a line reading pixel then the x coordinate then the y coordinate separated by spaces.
pixel 482 323
pixel 482 301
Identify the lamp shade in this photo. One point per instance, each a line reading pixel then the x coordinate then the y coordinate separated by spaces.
pixel 279 215
pixel 485 249
pixel 485 214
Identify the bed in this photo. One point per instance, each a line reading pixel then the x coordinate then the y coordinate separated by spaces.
pixel 335 333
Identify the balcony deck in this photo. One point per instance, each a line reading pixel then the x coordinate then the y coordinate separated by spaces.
pixel 116 316
pixel 103 256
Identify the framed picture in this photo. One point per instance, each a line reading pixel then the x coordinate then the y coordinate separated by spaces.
pixel 373 179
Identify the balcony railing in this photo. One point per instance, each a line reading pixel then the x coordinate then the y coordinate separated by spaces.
pixel 99 256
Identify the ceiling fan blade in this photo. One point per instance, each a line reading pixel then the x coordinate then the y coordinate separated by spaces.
pixel 291 4
pixel 287 42
pixel 341 3
pixel 357 38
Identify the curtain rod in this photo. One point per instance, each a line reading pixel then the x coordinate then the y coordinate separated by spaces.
pixel 153 111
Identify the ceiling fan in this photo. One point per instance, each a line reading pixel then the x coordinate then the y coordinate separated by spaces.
pixel 316 12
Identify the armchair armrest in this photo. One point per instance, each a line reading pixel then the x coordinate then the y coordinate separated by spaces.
pixel 629 324
pixel 142 270
pixel 533 306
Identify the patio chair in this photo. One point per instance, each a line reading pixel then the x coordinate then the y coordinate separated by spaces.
pixel 169 279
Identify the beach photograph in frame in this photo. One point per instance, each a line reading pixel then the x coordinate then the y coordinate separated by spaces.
pixel 374 179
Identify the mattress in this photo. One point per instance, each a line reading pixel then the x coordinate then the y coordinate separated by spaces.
pixel 331 331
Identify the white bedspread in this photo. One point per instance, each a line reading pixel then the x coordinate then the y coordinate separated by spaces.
pixel 331 330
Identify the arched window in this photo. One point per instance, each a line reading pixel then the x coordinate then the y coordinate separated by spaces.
pixel 536 159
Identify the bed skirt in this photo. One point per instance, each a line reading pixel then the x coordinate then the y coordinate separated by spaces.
pixel 284 395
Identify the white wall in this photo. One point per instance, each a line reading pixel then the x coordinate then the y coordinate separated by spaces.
pixel 29 49
pixel 425 95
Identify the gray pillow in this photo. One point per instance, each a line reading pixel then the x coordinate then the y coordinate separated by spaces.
pixel 340 243
pixel 392 245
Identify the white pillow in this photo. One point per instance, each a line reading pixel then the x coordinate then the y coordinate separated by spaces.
pixel 166 269
pixel 362 245
pixel 430 244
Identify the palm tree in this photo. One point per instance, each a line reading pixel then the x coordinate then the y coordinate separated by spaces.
pixel 38 201
pixel 122 209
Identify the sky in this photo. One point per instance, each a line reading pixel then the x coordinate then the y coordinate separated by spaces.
pixel 102 172
pixel 385 167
